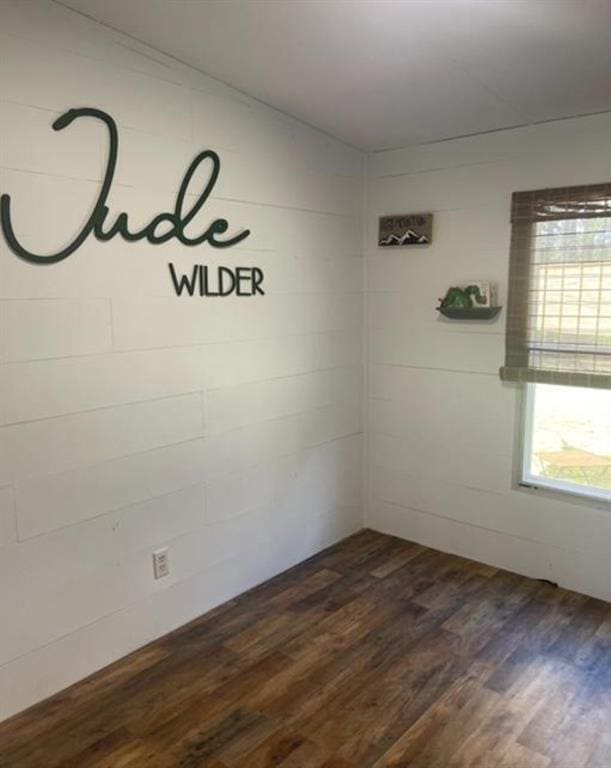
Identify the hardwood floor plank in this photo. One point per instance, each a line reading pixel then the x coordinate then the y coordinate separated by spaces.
pixel 100 752
pixel 273 750
pixel 437 732
pixel 571 732
pixel 600 756
pixel 503 723
pixel 307 755
pixel 230 736
pixel 517 755
pixel 394 562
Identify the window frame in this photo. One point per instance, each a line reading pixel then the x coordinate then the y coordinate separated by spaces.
pixel 535 482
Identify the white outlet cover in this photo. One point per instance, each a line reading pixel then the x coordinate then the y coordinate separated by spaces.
pixel 161 564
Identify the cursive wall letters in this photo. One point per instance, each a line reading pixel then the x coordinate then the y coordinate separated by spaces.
pixel 96 223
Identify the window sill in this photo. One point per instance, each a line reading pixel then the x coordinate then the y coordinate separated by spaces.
pixel 582 493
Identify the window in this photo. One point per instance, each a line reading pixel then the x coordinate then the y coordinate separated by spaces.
pixel 567 439
pixel 559 303
pixel 558 339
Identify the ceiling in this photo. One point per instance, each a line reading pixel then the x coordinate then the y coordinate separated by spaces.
pixel 381 74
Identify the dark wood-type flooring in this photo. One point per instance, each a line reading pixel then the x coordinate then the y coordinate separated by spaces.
pixel 376 652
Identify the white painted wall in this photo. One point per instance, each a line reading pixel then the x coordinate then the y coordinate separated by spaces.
pixel 227 429
pixel 441 427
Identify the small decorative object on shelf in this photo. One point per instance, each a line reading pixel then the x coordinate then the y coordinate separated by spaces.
pixel 476 301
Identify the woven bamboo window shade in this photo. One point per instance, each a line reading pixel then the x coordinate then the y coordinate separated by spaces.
pixel 559 304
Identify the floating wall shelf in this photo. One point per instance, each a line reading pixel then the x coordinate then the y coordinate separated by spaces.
pixel 471 313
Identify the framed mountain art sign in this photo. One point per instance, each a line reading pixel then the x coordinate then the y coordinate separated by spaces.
pixel 405 229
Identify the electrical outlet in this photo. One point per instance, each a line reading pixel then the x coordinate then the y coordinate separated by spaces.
pixel 161 564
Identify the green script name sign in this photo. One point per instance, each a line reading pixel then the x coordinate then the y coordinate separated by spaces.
pixel 161 228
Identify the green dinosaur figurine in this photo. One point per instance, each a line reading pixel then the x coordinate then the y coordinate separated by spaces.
pixel 463 298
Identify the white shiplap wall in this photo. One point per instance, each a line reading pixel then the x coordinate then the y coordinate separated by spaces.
pixel 441 427
pixel 227 429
